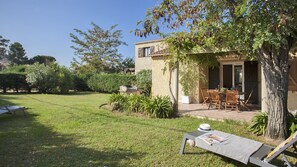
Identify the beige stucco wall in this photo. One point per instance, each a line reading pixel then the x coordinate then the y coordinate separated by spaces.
pixel 160 79
pixel 160 82
pixel 142 63
pixel 196 96
pixel 292 102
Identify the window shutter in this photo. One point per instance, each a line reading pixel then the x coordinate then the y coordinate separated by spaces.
pixel 152 49
pixel 140 52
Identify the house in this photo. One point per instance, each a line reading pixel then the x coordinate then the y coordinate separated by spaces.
pixel 143 51
pixel 233 72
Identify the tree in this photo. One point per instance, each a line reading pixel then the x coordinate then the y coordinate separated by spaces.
pixel 126 64
pixel 38 75
pixel 42 59
pixel 49 78
pixel 17 54
pixel 264 30
pixel 97 49
pixel 144 81
pixel 3 52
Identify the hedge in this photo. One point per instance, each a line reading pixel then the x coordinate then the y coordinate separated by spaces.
pixel 16 81
pixel 110 83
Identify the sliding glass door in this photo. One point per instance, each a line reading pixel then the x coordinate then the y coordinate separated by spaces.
pixel 232 76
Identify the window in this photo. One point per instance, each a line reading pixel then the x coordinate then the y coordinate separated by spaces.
pixel 146 51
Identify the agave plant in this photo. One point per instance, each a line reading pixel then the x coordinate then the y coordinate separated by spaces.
pixel 292 123
pixel 134 102
pixel 160 107
pixel 259 123
pixel 119 99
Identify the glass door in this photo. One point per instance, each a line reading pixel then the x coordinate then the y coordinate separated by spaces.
pixel 237 81
pixel 232 75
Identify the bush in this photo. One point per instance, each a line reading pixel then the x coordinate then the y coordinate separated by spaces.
pixel 260 121
pixel 65 79
pixel 159 107
pixel 144 81
pixel 16 81
pixel 110 83
pixel 120 100
pixel 38 75
pixel 15 69
pixel 135 102
pixel 49 79
pixel 292 123
pixel 80 82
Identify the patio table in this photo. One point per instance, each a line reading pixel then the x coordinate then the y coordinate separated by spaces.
pixel 223 97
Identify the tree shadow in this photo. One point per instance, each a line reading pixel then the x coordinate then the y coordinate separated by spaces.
pixel 26 142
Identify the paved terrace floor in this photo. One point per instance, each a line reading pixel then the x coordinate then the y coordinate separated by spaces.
pixel 201 111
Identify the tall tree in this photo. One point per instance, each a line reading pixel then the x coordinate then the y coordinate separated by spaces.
pixel 97 49
pixel 3 48
pixel 42 59
pixel 264 30
pixel 17 54
pixel 126 64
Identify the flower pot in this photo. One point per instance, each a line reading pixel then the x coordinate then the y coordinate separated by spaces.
pixel 186 99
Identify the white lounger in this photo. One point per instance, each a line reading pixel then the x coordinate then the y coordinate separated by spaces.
pixel 11 109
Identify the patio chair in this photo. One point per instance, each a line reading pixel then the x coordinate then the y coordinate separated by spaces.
pixel 11 109
pixel 245 150
pixel 231 100
pixel 214 99
pixel 205 96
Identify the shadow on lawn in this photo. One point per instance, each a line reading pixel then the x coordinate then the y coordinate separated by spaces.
pixel 26 142
pixel 5 100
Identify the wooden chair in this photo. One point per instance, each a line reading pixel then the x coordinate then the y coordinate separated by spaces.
pixel 232 100
pixel 214 98
pixel 205 96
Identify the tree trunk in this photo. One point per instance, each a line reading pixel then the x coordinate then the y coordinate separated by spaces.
pixel 275 69
pixel 174 97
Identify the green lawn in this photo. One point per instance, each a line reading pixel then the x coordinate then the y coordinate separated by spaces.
pixel 70 130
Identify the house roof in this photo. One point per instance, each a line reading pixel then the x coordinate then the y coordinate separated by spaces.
pixel 149 41
pixel 166 52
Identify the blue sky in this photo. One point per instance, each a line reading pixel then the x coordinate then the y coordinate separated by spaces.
pixel 43 26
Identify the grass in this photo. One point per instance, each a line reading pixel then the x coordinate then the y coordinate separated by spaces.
pixel 70 130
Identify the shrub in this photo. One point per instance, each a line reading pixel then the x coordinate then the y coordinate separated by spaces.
pixel 65 79
pixel 292 123
pixel 159 107
pixel 119 99
pixel 13 80
pixel 260 121
pixel 80 82
pixel 15 69
pixel 38 75
pixel 49 79
pixel 144 81
pixel 134 103
pixel 110 83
